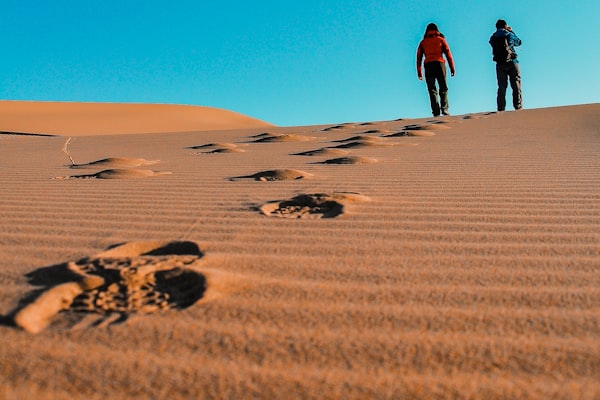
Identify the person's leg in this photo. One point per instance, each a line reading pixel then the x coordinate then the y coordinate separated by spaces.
pixel 502 85
pixel 515 84
pixel 441 78
pixel 430 78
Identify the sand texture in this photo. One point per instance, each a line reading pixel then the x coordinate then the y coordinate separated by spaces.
pixel 448 258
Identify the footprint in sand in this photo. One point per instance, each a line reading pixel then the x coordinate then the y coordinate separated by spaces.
pixel 122 168
pixel 410 134
pixel 275 175
pixel 135 277
pixel 480 115
pixel 116 162
pixel 117 174
pixel 349 160
pixel 327 151
pixel 377 131
pixel 217 148
pixel 338 127
pixel 312 206
pixel 360 141
pixel 434 125
pixel 421 129
pixel 269 138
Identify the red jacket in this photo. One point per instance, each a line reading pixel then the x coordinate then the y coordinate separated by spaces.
pixel 433 47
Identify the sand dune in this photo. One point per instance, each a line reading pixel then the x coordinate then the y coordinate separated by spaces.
pixel 81 119
pixel 247 263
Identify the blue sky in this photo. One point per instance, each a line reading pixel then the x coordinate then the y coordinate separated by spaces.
pixel 291 62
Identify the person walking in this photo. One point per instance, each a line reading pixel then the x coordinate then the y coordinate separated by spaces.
pixel 433 47
pixel 503 43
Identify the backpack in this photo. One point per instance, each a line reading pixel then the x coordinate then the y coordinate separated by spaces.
pixel 501 49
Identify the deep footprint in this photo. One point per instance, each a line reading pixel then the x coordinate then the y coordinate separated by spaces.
pixel 322 152
pixel 268 138
pixel 116 162
pixel 410 133
pixel 117 174
pixel 137 277
pixel 313 206
pixel 217 148
pixel 426 127
pixel 275 175
pixel 349 160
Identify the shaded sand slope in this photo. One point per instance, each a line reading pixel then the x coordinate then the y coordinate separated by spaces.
pixel 78 119
pixel 464 263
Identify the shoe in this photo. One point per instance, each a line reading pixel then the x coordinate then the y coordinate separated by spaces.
pixel 445 113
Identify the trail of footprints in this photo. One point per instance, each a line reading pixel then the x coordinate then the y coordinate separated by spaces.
pixel 337 152
pixel 151 277
pixel 116 168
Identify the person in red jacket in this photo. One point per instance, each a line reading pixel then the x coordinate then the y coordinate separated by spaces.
pixel 433 47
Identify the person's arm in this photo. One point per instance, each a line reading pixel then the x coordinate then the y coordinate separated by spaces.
pixel 512 37
pixel 420 55
pixel 448 53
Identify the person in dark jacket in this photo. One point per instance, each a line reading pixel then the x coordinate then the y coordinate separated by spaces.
pixel 434 47
pixel 507 70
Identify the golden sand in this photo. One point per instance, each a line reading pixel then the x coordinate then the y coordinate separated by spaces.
pixel 201 262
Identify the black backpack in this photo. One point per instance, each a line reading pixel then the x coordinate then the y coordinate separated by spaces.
pixel 501 49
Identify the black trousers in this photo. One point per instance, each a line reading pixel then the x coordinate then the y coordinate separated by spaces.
pixel 436 71
pixel 509 72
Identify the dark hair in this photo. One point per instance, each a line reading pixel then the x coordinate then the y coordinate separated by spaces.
pixel 501 24
pixel 432 27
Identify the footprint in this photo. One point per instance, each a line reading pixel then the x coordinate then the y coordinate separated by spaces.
pixel 410 133
pixel 349 160
pixel 327 151
pixel 377 131
pixel 217 148
pixel 268 138
pixel 213 145
pixel 360 141
pixel 116 162
pixel 479 116
pixel 337 127
pixel 275 175
pixel 426 127
pixel 223 151
pixel 117 174
pixel 361 138
pixel 131 278
pixel 444 123
pixel 311 206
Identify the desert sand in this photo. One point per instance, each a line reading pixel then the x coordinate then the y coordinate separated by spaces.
pixel 80 119
pixel 221 257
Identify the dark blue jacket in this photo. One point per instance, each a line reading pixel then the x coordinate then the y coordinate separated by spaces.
pixel 513 40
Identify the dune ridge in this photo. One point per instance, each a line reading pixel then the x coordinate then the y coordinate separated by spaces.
pixel 82 119
pixel 460 265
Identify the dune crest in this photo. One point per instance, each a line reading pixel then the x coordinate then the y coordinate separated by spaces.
pixel 85 119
